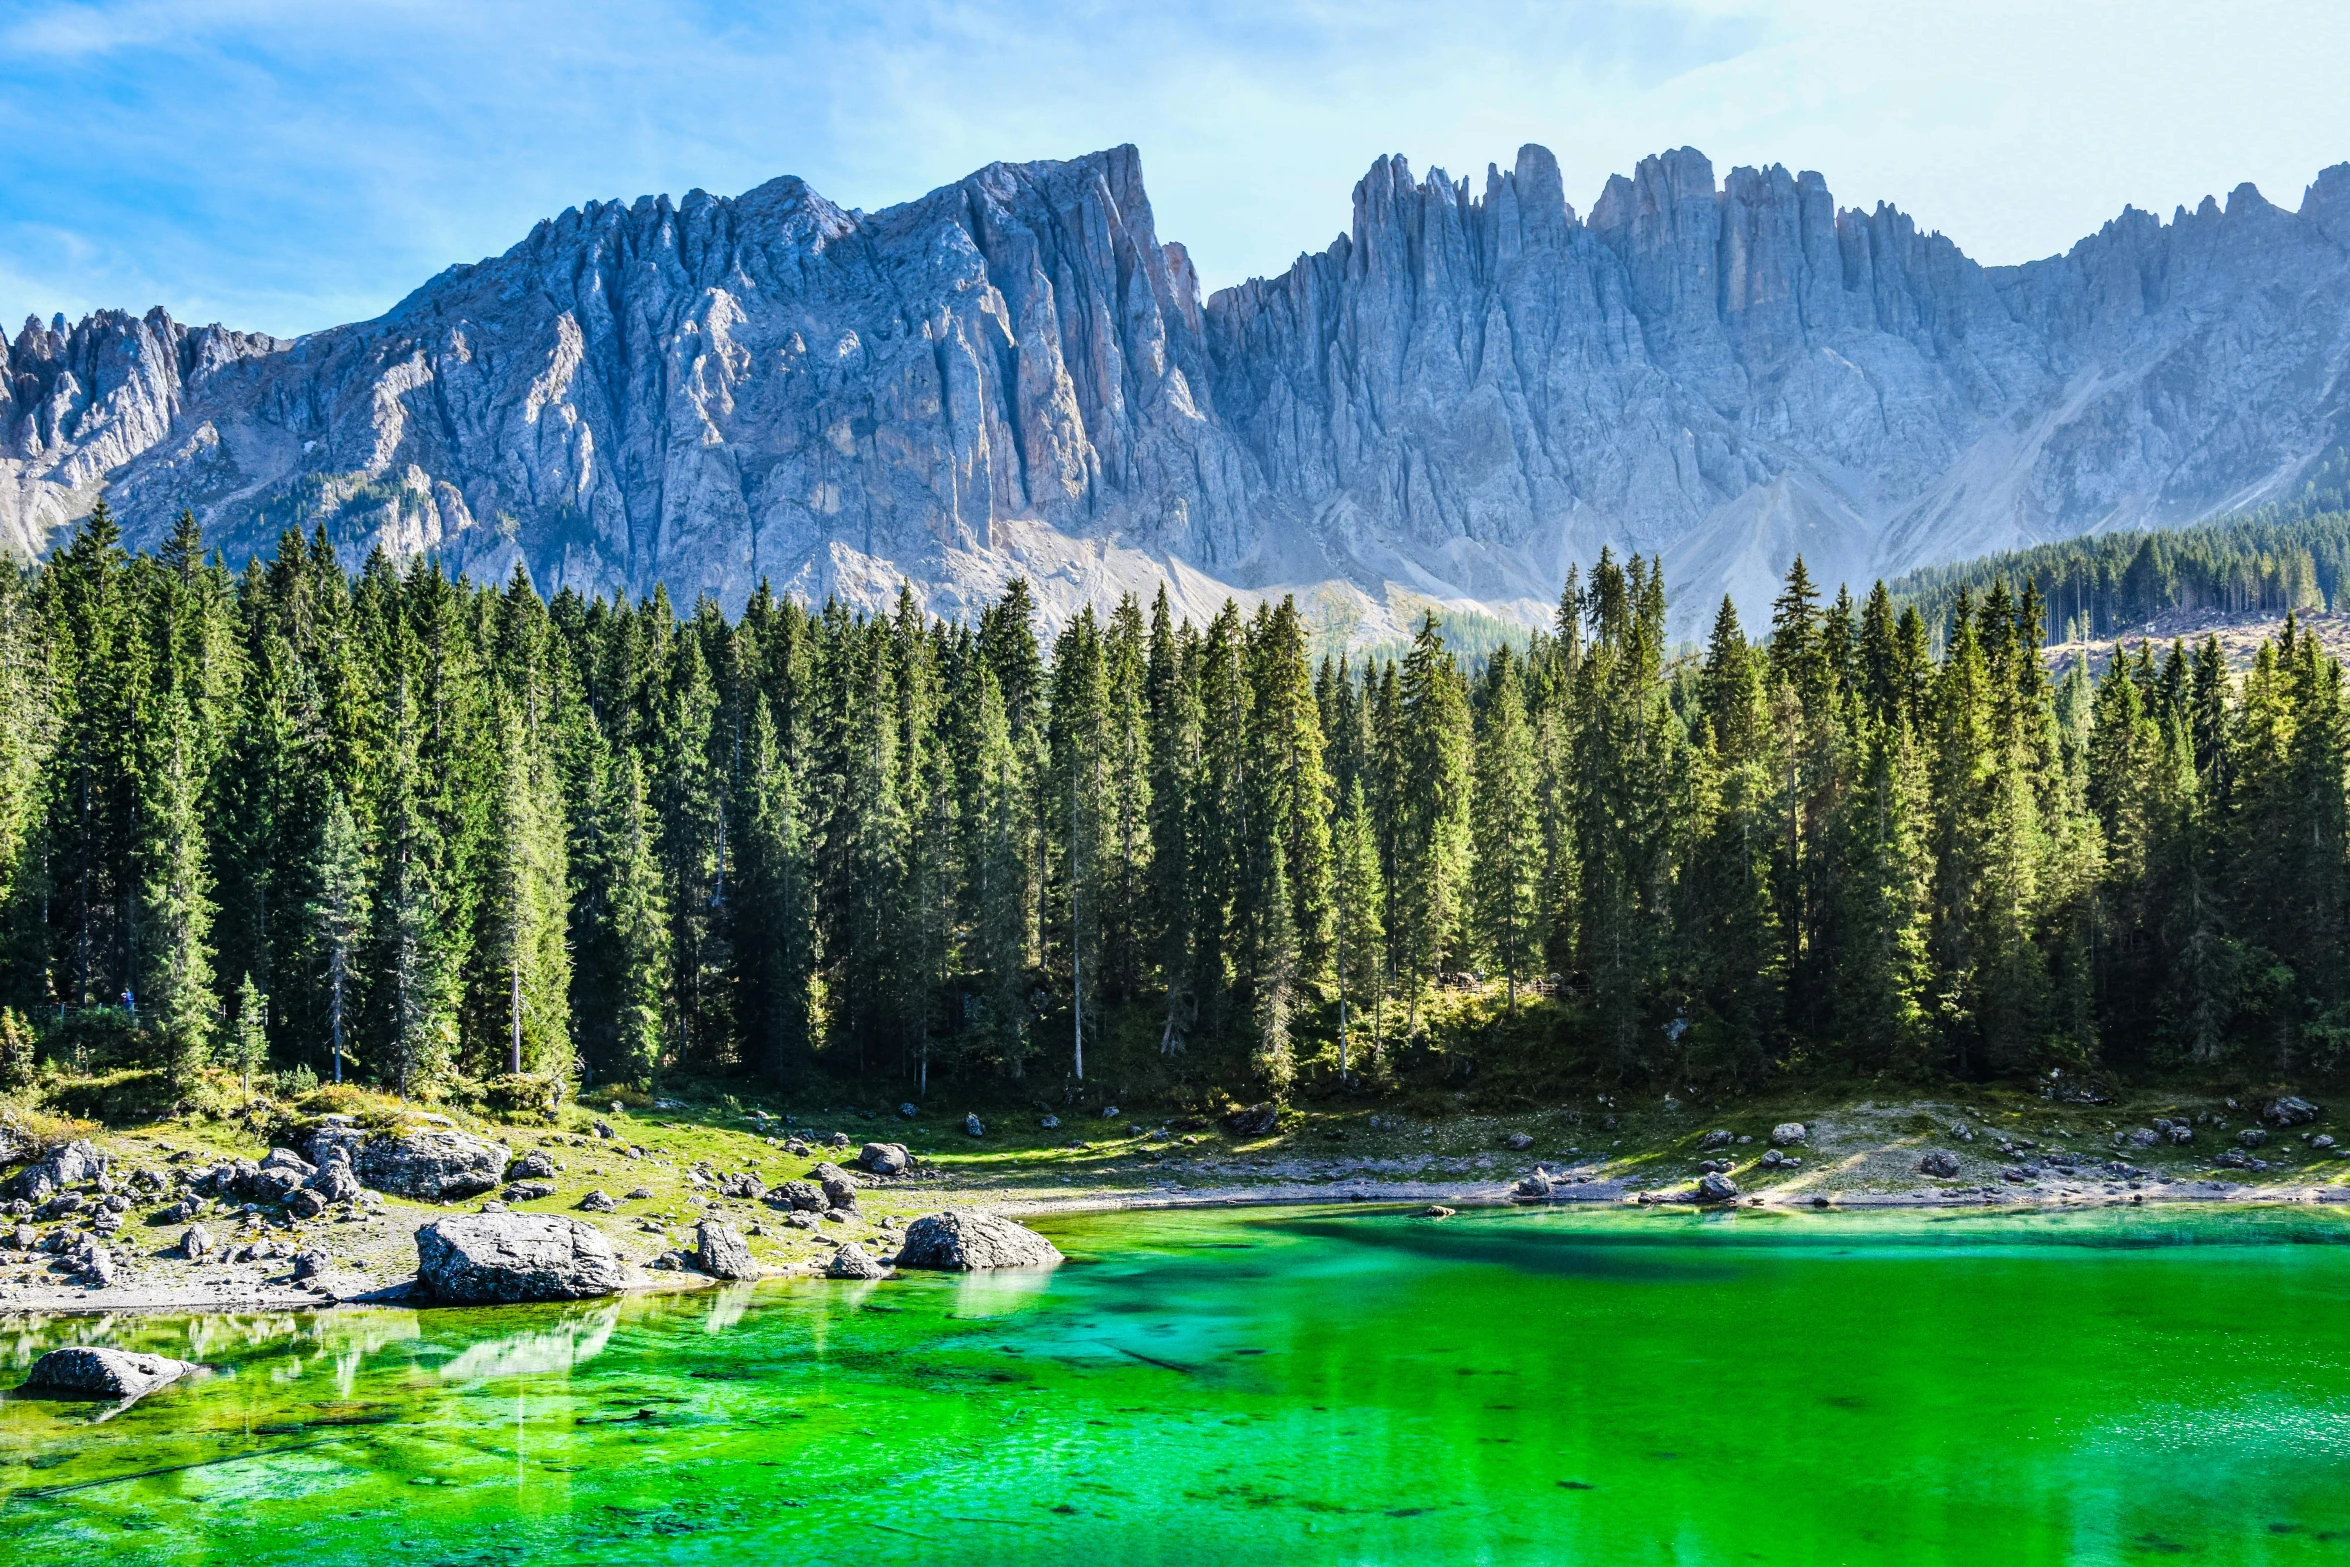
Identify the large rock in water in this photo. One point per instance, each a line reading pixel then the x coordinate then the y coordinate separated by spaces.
pixel 432 1164
pixel 962 1240
pixel 87 1372
pixel 481 1259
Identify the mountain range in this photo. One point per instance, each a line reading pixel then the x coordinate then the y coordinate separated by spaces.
pixel 1468 391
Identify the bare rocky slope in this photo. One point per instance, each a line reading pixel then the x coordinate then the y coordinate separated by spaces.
pixel 1465 393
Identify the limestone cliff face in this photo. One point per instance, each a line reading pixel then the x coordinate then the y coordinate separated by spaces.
pixel 1465 393
pixel 1469 391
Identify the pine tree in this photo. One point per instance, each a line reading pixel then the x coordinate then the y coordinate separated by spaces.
pixel 521 958
pixel 1361 931
pixel 1735 952
pixel 1076 805
pixel 248 1036
pixel 636 927
pixel 338 912
pixel 998 877
pixel 1172 694
pixel 176 908
pixel 1432 827
pixel 1885 982
pixel 774 942
pixel 1504 828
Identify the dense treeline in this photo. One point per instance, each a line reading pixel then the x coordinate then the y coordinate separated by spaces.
pixel 2106 584
pixel 442 837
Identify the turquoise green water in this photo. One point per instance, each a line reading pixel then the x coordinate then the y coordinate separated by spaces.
pixel 1310 1386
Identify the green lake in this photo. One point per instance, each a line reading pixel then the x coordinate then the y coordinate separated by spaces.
pixel 1303 1385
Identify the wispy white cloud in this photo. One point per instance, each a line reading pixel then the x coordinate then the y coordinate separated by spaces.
pixel 284 166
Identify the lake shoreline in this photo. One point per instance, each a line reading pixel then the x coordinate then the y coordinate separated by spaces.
pixel 647 1176
pixel 239 1297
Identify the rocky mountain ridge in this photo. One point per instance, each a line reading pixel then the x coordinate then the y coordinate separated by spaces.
pixel 1468 391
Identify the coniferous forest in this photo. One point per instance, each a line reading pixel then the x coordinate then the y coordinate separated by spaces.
pixel 444 838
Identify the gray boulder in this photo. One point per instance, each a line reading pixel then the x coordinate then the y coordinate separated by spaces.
pixel 598 1201
pixel 536 1165
pixel 805 1195
pixel 1788 1133
pixel 529 1191
pixel 2252 1137
pixel 195 1243
pixel 287 1159
pixel 2289 1110
pixel 1939 1162
pixel 721 1252
pixel 1715 1139
pixel 272 1183
pixel 1519 1141
pixel 92 1373
pixel 884 1158
pixel 1716 1188
pixel 57 1170
pixel 851 1262
pixel 840 1190
pixel 1253 1121
pixel 973 1127
pixel 482 1259
pixel 962 1240
pixel 335 1182
pixel 431 1166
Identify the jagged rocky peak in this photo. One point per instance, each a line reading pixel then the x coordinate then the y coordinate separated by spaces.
pixel 1466 391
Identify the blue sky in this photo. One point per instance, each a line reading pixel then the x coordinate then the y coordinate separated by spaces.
pixel 286 166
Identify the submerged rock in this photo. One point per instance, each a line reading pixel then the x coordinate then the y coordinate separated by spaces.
pixel 963 1240
pixel 89 1372
pixel 721 1252
pixel 503 1258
